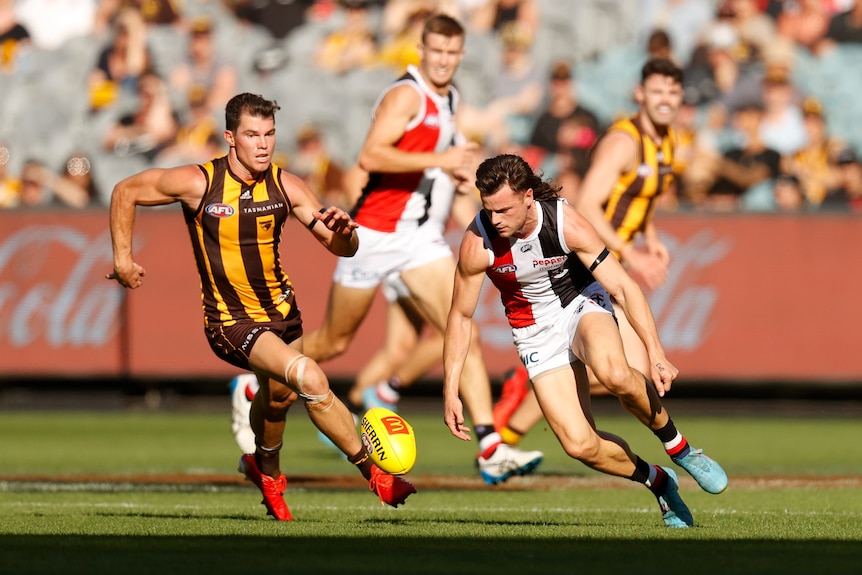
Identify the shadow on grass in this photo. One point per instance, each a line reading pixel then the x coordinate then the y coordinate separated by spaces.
pixel 239 555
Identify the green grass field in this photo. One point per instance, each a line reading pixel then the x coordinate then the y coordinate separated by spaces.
pixel 794 504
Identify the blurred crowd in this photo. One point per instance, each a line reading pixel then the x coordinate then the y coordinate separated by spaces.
pixel 92 91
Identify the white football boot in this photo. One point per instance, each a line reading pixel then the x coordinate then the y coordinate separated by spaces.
pixel 242 390
pixel 507 461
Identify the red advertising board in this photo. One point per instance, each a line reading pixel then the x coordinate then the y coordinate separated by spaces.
pixel 748 298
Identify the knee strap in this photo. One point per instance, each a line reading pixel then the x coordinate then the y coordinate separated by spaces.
pixel 319 403
pixel 299 361
pixel 313 402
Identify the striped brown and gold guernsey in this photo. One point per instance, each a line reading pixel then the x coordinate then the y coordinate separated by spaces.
pixel 633 198
pixel 235 234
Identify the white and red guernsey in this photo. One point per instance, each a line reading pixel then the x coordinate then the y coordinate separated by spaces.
pixel 392 202
pixel 536 275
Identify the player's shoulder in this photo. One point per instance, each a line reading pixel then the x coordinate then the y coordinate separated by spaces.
pixel 559 210
pixel 623 129
pixel 562 203
pixel 618 144
pixel 186 183
pixel 401 95
pixel 294 187
pixel 473 254
pixel 476 231
pixel 206 170
pixel 284 173
pixel 475 225
pixel 190 176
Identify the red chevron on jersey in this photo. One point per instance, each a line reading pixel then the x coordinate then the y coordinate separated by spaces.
pixel 503 274
pixel 536 275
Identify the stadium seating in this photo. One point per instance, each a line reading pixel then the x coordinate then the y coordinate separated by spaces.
pixel 44 110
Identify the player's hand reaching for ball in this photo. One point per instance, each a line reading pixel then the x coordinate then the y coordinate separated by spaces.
pixel 453 415
pixel 336 220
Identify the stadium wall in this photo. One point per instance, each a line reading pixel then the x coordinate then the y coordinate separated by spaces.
pixel 770 298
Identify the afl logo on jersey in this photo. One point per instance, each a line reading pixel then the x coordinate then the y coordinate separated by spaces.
pixel 506 269
pixel 432 120
pixel 645 170
pixel 220 210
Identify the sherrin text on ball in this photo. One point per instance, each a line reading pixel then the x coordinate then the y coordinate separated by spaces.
pixel 389 440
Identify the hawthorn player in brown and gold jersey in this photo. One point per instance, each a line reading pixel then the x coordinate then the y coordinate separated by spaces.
pixel 633 198
pixel 235 207
pixel 632 165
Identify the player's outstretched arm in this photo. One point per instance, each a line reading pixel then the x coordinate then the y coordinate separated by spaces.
pixel 332 226
pixel 468 284
pixel 379 152
pixel 154 187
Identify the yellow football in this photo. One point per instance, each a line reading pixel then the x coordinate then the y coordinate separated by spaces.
pixel 389 440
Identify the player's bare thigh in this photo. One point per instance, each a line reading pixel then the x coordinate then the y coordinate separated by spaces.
pixel 598 344
pixel 403 330
pixel 345 311
pixel 431 286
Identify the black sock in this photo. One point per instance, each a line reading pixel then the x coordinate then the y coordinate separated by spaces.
pixel 674 443
pixel 483 431
pixel 666 433
pixel 643 472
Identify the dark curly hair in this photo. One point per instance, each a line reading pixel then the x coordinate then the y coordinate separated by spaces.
pixel 514 170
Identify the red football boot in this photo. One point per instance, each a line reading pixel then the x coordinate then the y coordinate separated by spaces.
pixel 272 489
pixel 514 391
pixel 391 489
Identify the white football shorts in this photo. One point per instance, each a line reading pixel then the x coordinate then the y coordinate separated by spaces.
pixel 383 253
pixel 394 288
pixel 547 346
